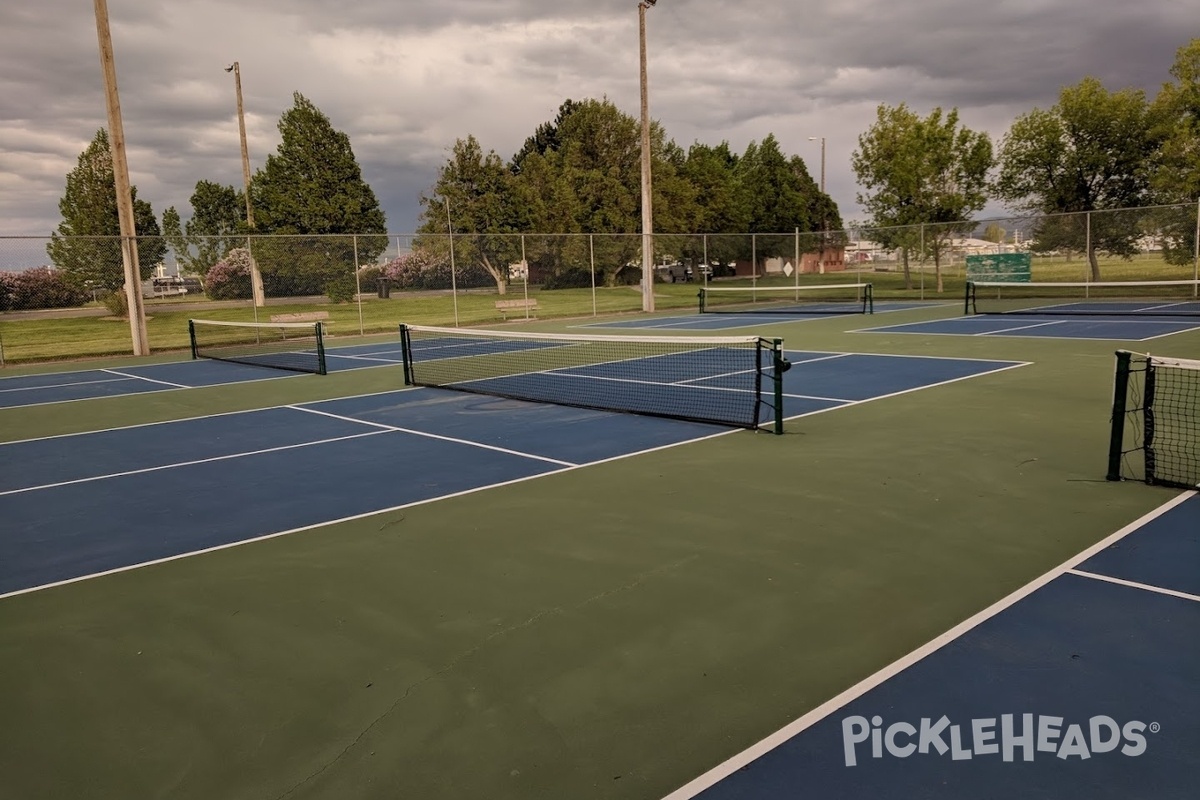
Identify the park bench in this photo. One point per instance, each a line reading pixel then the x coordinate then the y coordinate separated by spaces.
pixel 505 307
pixel 302 316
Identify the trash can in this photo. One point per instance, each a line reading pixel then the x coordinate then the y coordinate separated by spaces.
pixel 385 289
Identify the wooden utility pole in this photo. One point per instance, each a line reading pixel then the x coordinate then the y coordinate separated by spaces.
pixel 116 136
pixel 647 194
pixel 256 283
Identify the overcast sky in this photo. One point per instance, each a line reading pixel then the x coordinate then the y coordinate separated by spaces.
pixel 406 79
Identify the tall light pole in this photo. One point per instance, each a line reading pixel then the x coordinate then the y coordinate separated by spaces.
pixel 824 220
pixel 256 283
pixel 647 209
pixel 822 138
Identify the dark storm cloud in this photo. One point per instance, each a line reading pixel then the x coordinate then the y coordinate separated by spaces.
pixel 404 80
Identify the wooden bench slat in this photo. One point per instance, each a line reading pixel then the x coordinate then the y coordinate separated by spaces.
pixel 519 304
pixel 303 316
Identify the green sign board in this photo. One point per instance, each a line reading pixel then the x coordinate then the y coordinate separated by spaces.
pixel 1001 267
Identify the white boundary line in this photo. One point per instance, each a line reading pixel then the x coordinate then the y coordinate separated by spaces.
pixel 149 380
pixel 161 467
pixel 130 567
pixel 439 437
pixel 1135 585
pixel 364 515
pixel 1021 328
pixel 62 385
pixel 174 386
pixel 732 765
pixel 288 406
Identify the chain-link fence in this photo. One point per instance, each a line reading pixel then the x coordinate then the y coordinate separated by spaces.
pixel 63 297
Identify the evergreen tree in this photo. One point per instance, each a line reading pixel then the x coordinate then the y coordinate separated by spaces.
pixel 217 225
pixel 89 210
pixel 313 185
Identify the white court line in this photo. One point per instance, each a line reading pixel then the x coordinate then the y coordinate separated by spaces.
pixel 150 380
pixel 1004 331
pixel 364 515
pixel 439 437
pixel 1001 335
pixel 751 754
pixel 289 406
pixel 62 385
pixel 174 465
pixel 176 388
pixel 463 493
pixel 1135 585
pixel 363 358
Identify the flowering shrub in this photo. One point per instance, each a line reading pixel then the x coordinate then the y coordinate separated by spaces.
pixel 422 269
pixel 229 278
pixel 40 287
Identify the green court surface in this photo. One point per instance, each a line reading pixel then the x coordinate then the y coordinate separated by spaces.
pixel 612 631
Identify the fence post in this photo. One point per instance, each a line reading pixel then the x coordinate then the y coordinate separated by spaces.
pixel 525 264
pixel 358 288
pixel 250 250
pixel 592 262
pixel 797 273
pixel 1196 254
pixel 1087 254
pixel 453 280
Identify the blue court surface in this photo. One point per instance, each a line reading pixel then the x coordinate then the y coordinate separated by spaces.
pixel 1120 328
pixel 290 468
pixel 60 387
pixel 745 319
pixel 1081 684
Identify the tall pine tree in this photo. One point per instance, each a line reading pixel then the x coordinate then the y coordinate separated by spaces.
pixel 89 210
pixel 313 185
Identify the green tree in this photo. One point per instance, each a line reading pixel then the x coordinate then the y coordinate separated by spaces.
pixel 582 173
pixel 313 185
pixel 924 178
pixel 992 232
pixel 1176 174
pixel 217 225
pixel 89 210
pixel 1092 151
pixel 545 138
pixel 721 205
pixel 478 192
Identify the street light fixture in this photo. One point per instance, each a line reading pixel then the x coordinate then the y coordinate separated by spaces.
pixel 256 284
pixel 822 138
pixel 647 210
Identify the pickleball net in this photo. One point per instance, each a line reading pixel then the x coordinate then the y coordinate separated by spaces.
pixel 293 346
pixel 1173 298
pixel 729 380
pixel 1155 435
pixel 830 298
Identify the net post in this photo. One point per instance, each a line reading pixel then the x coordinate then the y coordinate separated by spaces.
pixel 780 366
pixel 969 298
pixel 700 295
pixel 870 299
pixel 406 354
pixel 1116 442
pixel 192 338
pixel 1149 430
pixel 321 348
